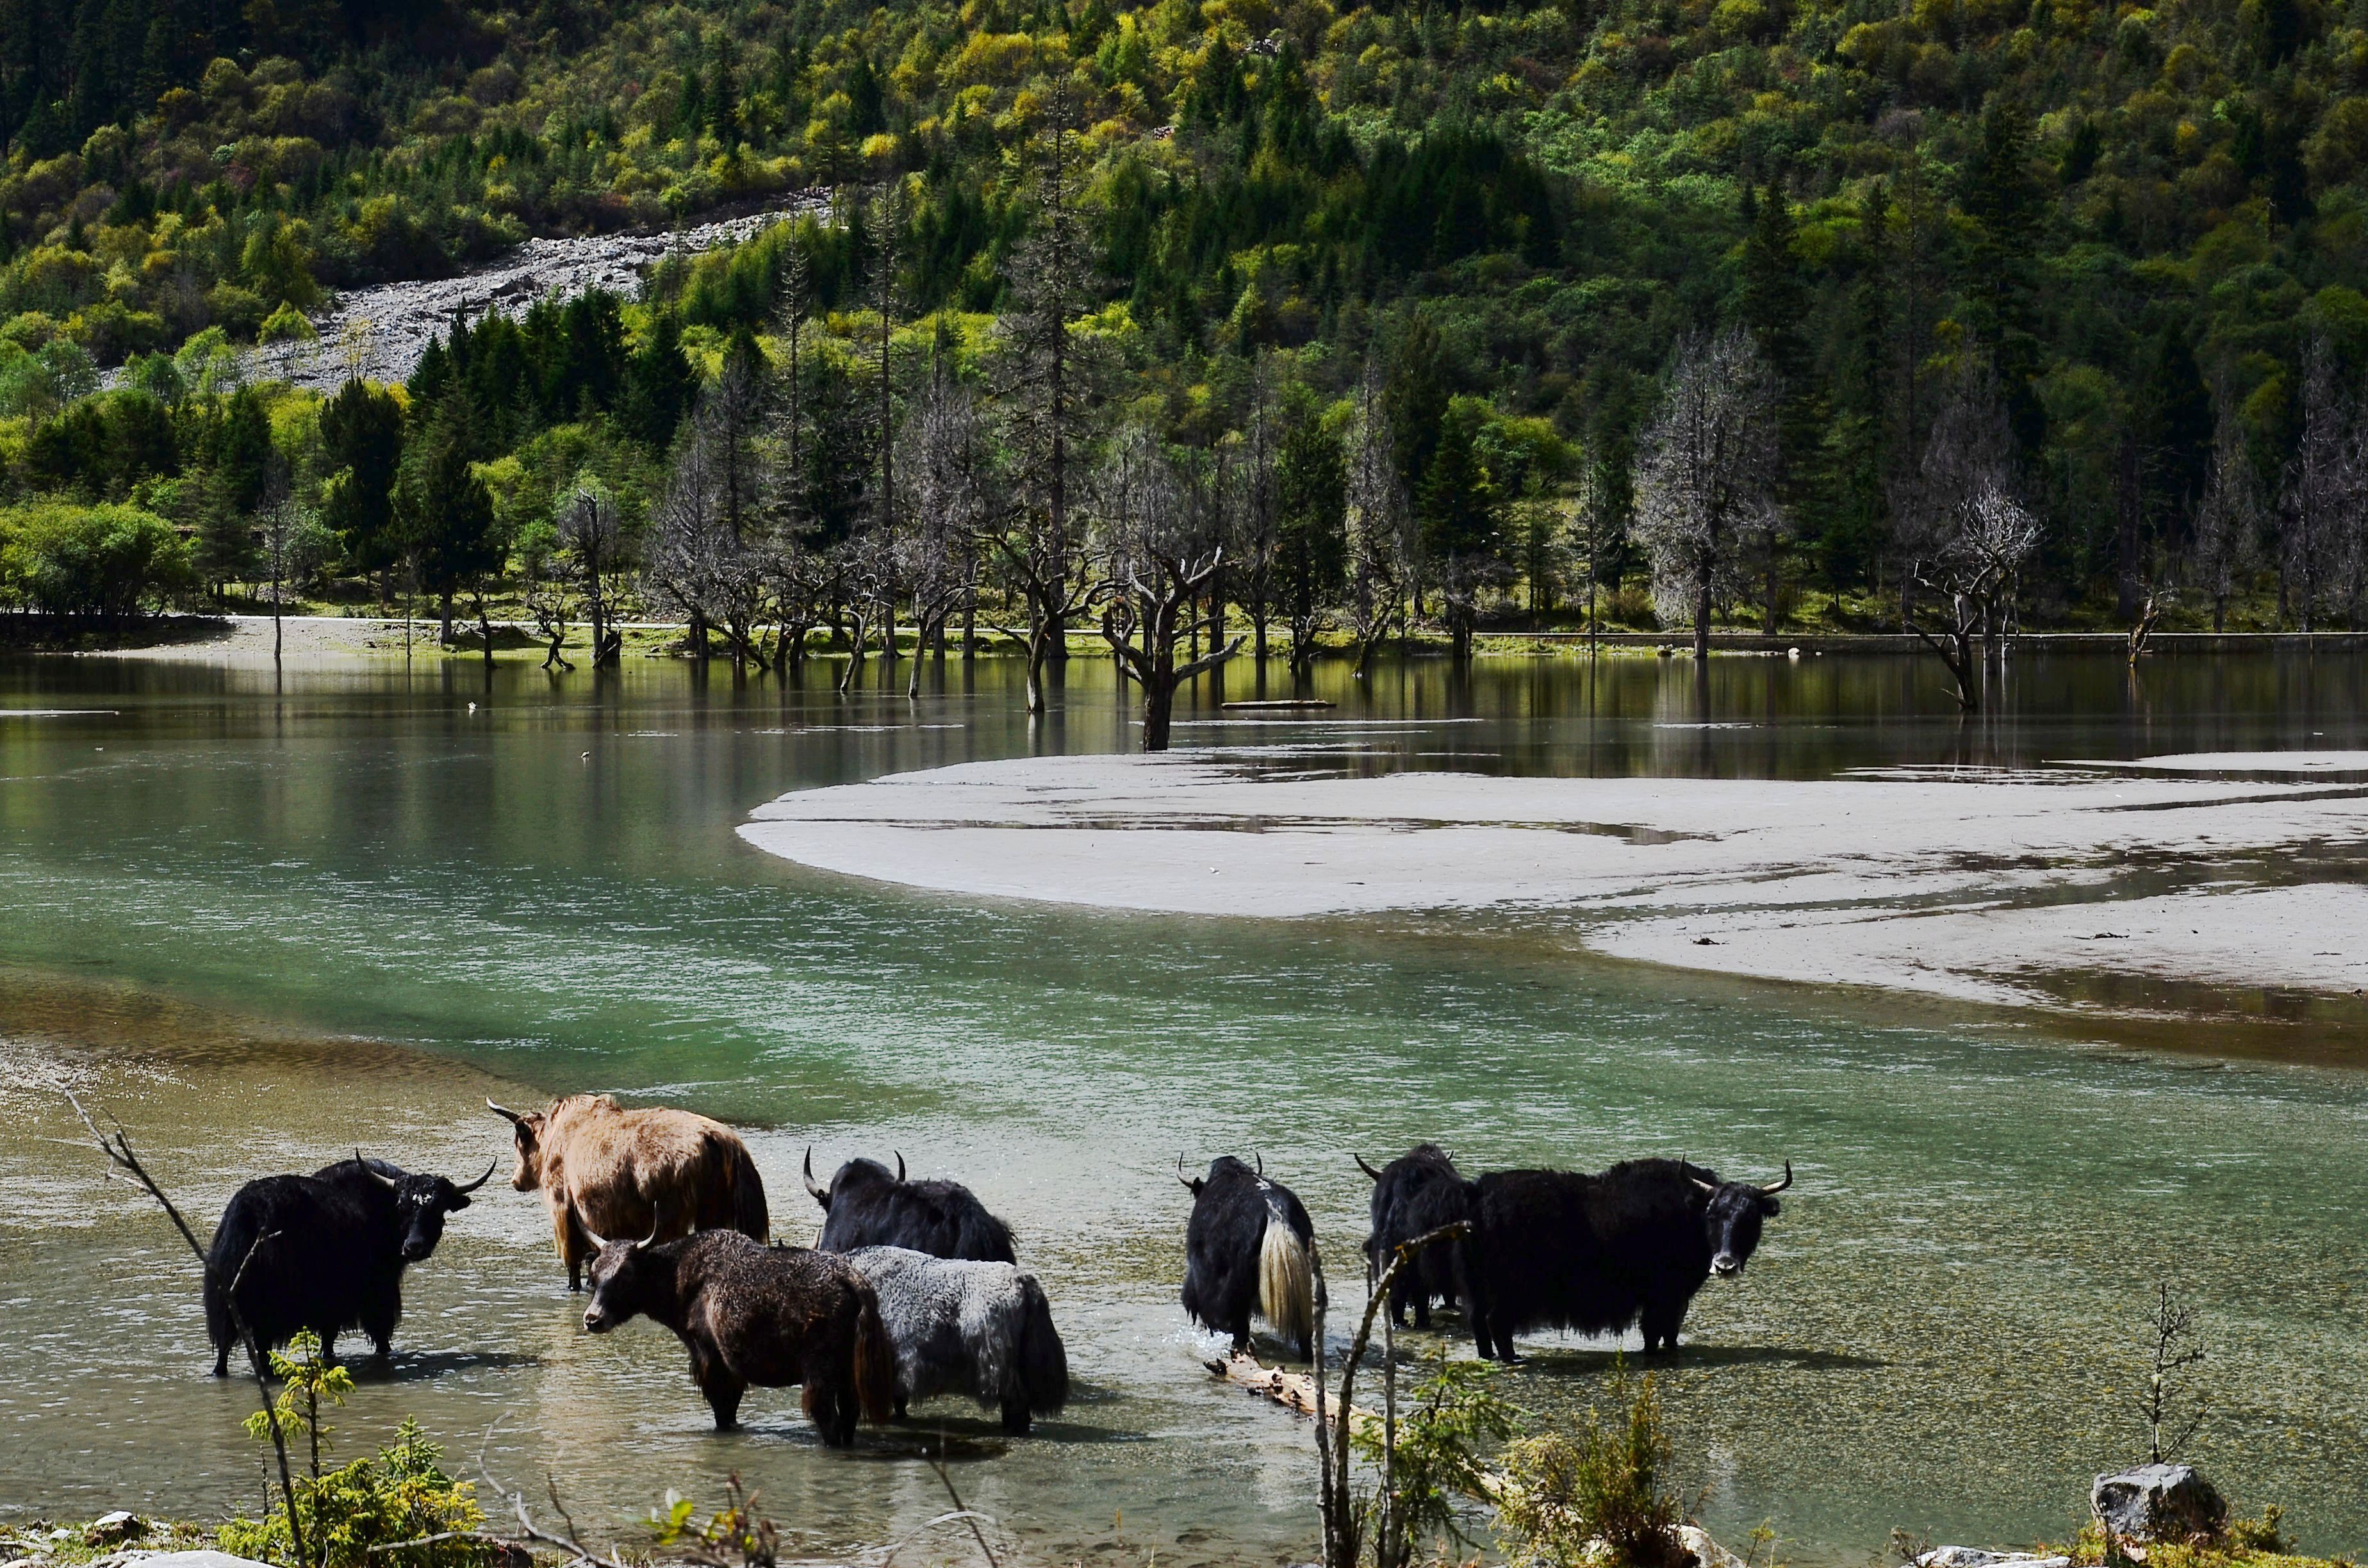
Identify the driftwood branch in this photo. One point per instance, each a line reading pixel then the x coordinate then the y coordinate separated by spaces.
pixel 118 1149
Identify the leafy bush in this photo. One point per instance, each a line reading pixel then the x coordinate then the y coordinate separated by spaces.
pixel 1449 1418
pixel 1601 1492
pixel 400 1496
pixel 106 563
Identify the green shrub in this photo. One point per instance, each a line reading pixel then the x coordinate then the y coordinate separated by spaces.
pixel 106 563
pixel 1445 1423
pixel 1596 1495
pixel 402 1495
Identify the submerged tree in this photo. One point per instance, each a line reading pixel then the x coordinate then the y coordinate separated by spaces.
pixel 1380 542
pixel 1963 527
pixel 1311 505
pixel 1705 479
pixel 950 489
pixel 2323 484
pixel 1159 535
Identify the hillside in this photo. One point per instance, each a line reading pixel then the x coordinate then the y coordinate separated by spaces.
pixel 2135 223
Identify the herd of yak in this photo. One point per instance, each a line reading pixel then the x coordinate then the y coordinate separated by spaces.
pixel 913 1289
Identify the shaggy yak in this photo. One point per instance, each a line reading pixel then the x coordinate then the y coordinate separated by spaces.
pixel 330 1256
pixel 1249 1244
pixel 981 1329
pixel 865 1207
pixel 750 1314
pixel 604 1170
pixel 1598 1252
pixel 1413 1195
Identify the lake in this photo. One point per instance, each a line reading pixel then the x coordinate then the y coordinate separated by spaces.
pixel 268 920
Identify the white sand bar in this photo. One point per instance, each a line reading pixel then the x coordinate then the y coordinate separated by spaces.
pixel 1981 884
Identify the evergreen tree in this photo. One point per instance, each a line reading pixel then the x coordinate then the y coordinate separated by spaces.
pixel 444 510
pixel 362 437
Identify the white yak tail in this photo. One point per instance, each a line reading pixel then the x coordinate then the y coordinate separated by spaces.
pixel 1286 1281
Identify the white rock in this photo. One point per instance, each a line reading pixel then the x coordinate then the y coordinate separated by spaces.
pixel 1707 1553
pixel 194 1560
pixel 1975 1557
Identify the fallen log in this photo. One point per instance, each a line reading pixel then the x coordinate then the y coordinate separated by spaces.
pixel 1295 1392
pixel 1277 705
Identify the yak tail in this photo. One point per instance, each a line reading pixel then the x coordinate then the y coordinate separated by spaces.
pixel 1043 1359
pixel 749 1216
pixel 1286 1281
pixel 875 1359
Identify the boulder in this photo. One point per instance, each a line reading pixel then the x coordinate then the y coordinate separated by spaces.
pixel 1975 1557
pixel 120 1525
pixel 2157 1501
pixel 193 1560
pixel 1707 1553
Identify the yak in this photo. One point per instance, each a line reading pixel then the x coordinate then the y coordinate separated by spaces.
pixel 981 1329
pixel 1557 1249
pixel 605 1170
pixel 1413 1195
pixel 752 1313
pixel 325 1252
pixel 865 1207
pixel 1249 1244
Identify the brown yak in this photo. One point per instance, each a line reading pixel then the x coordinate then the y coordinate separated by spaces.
pixel 607 1171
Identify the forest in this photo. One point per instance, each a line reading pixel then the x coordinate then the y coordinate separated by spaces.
pixel 1205 317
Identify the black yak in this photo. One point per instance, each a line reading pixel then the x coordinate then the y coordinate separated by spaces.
pixel 1413 1195
pixel 981 1329
pixel 602 1168
pixel 1249 1245
pixel 750 1314
pixel 328 1252
pixel 865 1207
pixel 1599 1253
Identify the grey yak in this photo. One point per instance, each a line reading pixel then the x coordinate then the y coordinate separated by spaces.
pixel 981 1330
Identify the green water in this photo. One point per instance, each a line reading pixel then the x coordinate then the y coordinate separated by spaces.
pixel 268 922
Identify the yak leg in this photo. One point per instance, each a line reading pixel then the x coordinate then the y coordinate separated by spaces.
pixel 1660 1324
pixel 568 1235
pixel 722 1390
pixel 221 1359
pixel 1242 1332
pixel 1015 1417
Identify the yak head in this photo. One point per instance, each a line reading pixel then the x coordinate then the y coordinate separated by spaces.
pixel 622 1275
pixel 526 1130
pixel 421 1202
pixel 855 1173
pixel 1733 1212
pixel 1223 1165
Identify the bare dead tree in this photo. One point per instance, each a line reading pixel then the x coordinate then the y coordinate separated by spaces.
pixel 2323 483
pixel 1045 383
pixel 1707 476
pixel 1255 513
pixel 1160 540
pixel 591 543
pixel 2171 1350
pixel 117 1147
pixel 1962 529
pixel 951 488
pixel 887 302
pixel 548 604
pixel 701 564
pixel 1381 545
pixel 2228 520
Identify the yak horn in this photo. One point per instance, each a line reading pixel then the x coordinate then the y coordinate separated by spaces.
pixel 1182 1176
pixel 653 1236
pixel 482 1179
pixel 387 1182
pixel 1366 1168
pixel 821 1193
pixel 900 1169
pixel 1773 1188
pixel 1690 1168
pixel 599 1243
pixel 504 1110
pixel 1262 1161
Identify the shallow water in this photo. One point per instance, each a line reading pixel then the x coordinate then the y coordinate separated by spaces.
pixel 265 926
